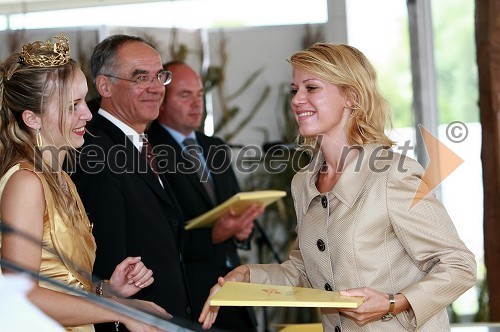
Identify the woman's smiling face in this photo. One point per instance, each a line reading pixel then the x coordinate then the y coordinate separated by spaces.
pixel 319 106
pixel 73 128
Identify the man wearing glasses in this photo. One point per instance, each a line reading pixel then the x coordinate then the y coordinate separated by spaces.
pixel 132 207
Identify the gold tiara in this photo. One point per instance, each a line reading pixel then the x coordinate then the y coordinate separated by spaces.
pixel 46 54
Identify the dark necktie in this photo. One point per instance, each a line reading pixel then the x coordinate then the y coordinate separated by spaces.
pixel 192 153
pixel 147 150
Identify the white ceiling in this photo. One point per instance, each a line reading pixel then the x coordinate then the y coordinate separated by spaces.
pixel 26 6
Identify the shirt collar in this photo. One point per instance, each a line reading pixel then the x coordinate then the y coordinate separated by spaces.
pixel 178 136
pixel 132 135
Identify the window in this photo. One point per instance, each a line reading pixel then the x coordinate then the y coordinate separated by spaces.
pixel 189 14
pixel 381 32
pixel 457 99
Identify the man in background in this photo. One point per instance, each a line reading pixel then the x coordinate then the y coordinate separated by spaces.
pixel 209 252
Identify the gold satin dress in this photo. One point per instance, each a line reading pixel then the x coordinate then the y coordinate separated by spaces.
pixel 68 246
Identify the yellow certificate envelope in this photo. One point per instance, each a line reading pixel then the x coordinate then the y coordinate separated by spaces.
pixel 247 294
pixel 312 327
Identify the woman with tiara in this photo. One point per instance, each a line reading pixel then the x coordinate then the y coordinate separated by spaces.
pixel 42 121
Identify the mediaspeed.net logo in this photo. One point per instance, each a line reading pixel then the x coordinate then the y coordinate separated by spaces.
pixel 250 158
pixel 442 160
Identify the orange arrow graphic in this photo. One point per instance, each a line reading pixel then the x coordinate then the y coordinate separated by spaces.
pixel 442 162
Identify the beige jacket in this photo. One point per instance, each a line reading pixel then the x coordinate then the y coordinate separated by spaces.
pixel 372 238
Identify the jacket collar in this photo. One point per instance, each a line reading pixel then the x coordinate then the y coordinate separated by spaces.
pixel 160 135
pixel 350 184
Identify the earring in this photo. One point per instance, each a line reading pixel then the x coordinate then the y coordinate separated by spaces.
pixel 39 141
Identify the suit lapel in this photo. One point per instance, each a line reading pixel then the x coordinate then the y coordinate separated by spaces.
pixel 161 137
pixel 135 162
pixel 169 192
pixel 219 161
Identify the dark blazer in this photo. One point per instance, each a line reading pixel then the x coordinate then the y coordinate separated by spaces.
pixel 204 261
pixel 133 215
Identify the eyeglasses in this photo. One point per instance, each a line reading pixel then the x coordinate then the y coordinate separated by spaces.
pixel 145 81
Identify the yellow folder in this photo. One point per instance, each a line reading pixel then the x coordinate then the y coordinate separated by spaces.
pixel 311 327
pixel 238 203
pixel 262 295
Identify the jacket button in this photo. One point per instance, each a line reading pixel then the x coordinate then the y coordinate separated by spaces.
pixel 337 329
pixel 324 201
pixel 321 245
pixel 188 310
pixel 328 287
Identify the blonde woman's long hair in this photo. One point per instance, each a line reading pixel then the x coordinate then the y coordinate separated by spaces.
pixel 26 87
pixel 350 70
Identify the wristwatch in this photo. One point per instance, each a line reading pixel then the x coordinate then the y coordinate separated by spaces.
pixel 390 314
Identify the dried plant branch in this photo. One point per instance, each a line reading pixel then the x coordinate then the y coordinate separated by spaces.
pixel 251 114
pixel 246 84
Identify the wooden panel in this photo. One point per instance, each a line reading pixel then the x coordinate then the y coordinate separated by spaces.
pixel 488 60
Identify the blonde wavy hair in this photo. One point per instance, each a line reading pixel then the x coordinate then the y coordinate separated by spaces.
pixel 26 87
pixel 348 68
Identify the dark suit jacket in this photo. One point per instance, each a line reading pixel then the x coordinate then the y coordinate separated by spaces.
pixel 132 215
pixel 204 261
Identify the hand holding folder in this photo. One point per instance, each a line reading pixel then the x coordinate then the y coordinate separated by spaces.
pixel 237 203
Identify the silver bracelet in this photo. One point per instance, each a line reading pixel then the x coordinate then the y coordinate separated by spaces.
pixel 117 323
pixel 390 314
